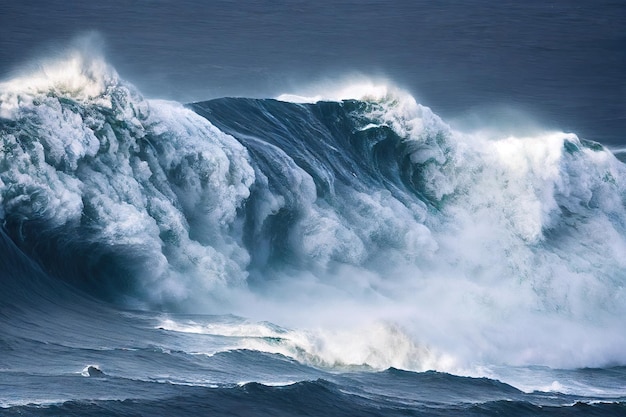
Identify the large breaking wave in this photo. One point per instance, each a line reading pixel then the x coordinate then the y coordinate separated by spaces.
pixel 437 248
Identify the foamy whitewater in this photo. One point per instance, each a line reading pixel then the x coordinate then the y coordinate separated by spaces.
pixel 341 245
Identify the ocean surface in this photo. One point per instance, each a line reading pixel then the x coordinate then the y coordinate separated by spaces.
pixel 305 209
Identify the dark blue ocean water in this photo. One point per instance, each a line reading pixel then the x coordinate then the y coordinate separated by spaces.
pixel 412 209
pixel 563 62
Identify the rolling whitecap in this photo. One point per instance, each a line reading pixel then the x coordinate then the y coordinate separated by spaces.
pixel 370 231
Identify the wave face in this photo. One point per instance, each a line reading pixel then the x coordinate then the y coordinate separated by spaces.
pixel 374 232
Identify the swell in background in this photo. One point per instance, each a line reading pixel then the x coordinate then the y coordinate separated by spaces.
pixel 561 61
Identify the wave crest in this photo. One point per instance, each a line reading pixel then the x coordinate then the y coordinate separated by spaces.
pixel 145 190
pixel 375 208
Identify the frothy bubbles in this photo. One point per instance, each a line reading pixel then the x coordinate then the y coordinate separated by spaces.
pixel 124 179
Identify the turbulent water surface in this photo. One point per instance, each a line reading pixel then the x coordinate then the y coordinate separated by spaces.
pixel 344 253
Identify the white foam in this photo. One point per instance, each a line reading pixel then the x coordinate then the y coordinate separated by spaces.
pixel 77 159
pixel 375 346
pixel 359 89
pixel 79 75
pixel 516 257
pixel 519 266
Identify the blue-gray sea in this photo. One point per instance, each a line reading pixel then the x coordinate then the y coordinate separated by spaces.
pixel 297 208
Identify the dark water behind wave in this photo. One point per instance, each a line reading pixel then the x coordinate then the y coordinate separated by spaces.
pixel 561 61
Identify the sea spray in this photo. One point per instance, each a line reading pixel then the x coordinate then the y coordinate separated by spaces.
pixel 325 217
pixel 89 166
